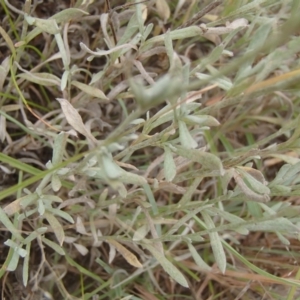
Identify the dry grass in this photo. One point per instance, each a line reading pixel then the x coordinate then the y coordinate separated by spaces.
pixel 147 154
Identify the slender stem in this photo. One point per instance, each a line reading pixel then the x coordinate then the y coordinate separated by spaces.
pixel 200 14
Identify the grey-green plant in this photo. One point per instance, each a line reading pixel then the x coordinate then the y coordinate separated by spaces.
pixel 170 115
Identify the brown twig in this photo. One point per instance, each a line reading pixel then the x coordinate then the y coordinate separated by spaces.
pixel 200 14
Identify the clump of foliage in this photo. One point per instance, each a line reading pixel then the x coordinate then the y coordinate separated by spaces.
pixel 147 153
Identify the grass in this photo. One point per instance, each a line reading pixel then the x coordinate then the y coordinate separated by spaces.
pixel 146 156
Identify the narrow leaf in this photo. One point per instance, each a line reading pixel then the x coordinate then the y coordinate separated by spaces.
pixel 202 120
pixel 45 79
pixel 185 137
pixel 26 265
pixel 53 245
pixel 68 14
pixel 33 235
pixel 209 161
pixel 81 249
pixel 13 207
pixel 177 34
pixel 131 178
pixel 8 41
pixel 215 242
pixel 9 225
pixel 21 252
pixel 163 9
pixel 258 186
pixel 140 233
pixel 281 225
pixel 90 90
pixel 79 226
pixel 283 240
pixel 13 262
pixel 64 80
pixel 111 169
pixel 41 207
pixel 60 142
pixel 61 214
pixel 112 253
pixel 282 173
pixel 167 266
pixel 74 118
pixel 169 165
pixel 55 183
pixel 46 25
pixel 65 16
pixel 198 259
pixel 64 52
pixel 51 198
pixel 129 256
pixel 233 219
pixel 56 227
pixel 105 52
pixel 4 69
pixel 250 194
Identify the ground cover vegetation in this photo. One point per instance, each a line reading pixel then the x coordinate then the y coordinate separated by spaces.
pixel 149 149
